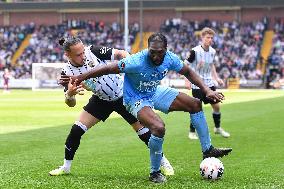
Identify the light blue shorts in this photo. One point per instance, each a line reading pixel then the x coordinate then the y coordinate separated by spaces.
pixel 162 100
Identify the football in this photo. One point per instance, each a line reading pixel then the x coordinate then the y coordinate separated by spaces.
pixel 211 168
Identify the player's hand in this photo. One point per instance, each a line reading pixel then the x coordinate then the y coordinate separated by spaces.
pixel 74 87
pixel 215 96
pixel 220 82
pixel 64 79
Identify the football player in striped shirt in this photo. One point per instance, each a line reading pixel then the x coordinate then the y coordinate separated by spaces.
pixel 107 97
pixel 201 60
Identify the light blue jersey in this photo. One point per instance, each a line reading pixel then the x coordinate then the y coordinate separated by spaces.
pixel 142 78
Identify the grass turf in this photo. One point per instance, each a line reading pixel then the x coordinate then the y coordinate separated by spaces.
pixel 34 126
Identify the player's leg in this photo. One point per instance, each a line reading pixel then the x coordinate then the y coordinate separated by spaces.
pixel 186 103
pixel 143 133
pixel 217 120
pixel 93 112
pixel 192 134
pixel 173 100
pixel 142 109
pixel 157 127
pixel 177 101
pixel 196 93
pixel 85 122
pixel 216 115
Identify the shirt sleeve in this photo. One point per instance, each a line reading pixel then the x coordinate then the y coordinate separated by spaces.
pixel 191 56
pixel 128 65
pixel 103 53
pixel 176 62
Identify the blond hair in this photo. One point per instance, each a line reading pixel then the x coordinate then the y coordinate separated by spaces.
pixel 207 30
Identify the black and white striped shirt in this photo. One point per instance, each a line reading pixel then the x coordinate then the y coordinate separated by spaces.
pixel 107 87
pixel 202 65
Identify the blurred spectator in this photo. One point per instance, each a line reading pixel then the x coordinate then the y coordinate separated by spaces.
pixel 6 78
pixel 275 75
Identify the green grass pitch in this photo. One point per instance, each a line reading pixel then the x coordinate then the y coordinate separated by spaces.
pixel 34 126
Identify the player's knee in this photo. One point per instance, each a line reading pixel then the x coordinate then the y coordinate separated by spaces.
pixel 196 106
pixel 159 129
pixel 216 108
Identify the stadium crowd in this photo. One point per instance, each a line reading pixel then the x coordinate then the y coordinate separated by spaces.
pixel 238 45
pixel 43 47
pixel 10 39
pixel 275 68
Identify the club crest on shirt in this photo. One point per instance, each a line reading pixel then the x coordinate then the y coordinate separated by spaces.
pixel 91 63
pixel 165 72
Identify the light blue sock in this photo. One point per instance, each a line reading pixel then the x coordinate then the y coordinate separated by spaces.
pixel 199 123
pixel 156 152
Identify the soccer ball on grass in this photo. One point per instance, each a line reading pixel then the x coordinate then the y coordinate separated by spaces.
pixel 211 168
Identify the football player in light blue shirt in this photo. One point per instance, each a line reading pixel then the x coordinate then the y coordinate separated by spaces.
pixel 142 93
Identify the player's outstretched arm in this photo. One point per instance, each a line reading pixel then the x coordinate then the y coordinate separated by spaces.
pixel 193 78
pixel 196 80
pixel 95 72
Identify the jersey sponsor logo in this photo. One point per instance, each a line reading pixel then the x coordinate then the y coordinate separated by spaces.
pixel 200 65
pixel 148 86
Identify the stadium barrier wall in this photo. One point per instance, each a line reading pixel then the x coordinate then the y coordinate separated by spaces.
pixel 18 83
pixel 54 17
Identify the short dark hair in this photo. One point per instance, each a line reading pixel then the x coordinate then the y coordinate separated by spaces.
pixel 66 43
pixel 158 37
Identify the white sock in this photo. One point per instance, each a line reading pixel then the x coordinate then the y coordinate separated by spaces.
pixel 142 131
pixel 84 127
pixel 67 164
